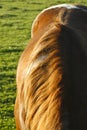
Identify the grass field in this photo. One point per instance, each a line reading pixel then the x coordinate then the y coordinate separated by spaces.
pixel 16 18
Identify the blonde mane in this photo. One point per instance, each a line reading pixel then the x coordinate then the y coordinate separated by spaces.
pixel 40 90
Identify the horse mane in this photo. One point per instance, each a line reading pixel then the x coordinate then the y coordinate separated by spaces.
pixel 41 90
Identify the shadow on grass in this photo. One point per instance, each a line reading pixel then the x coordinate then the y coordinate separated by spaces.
pixel 6 75
pixel 33 10
pixel 8 16
pixel 11 50
pixel 1 7
pixel 38 3
pixel 8 24
pixel 14 8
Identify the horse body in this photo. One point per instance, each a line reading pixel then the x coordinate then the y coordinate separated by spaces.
pixel 51 74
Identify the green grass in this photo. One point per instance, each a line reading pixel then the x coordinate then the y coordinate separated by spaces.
pixel 16 17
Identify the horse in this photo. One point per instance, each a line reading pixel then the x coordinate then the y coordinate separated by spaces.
pixel 52 72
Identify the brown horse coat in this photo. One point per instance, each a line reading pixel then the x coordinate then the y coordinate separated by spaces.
pixel 52 72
